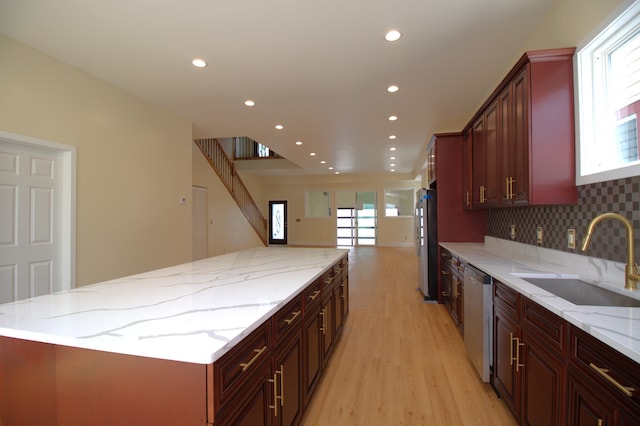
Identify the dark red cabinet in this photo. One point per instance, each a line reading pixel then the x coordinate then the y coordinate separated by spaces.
pixel 523 140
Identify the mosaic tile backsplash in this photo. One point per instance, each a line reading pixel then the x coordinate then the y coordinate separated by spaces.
pixel 609 236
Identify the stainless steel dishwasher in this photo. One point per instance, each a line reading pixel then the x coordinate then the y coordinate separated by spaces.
pixel 478 327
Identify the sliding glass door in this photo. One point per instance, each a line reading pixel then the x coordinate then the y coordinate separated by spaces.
pixel 356 218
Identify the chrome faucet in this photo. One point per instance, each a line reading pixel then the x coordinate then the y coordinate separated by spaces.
pixel 632 274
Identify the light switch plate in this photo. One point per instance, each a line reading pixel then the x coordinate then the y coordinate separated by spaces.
pixel 571 238
pixel 539 235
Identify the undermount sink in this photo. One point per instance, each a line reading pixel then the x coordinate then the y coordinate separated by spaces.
pixel 581 292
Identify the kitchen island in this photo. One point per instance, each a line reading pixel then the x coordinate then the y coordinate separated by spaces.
pixel 171 346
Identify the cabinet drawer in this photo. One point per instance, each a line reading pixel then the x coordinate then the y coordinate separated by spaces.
pixel 545 325
pixel 241 362
pixel 614 371
pixel 287 318
pixel 329 281
pixel 311 295
pixel 505 298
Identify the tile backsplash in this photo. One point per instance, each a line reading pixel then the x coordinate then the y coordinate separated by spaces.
pixel 609 237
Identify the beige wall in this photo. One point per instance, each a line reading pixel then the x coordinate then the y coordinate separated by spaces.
pixel 394 231
pixel 228 229
pixel 133 162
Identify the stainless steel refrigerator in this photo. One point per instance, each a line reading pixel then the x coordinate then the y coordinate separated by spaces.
pixel 427 243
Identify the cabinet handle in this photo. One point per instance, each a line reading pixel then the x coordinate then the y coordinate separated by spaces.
pixel 445 294
pixel 295 315
pixel 314 295
pixel 506 188
pixel 627 390
pixel 275 394
pixel 511 188
pixel 511 358
pixel 245 365
pixel 281 373
pixel 327 282
pixel 483 190
pixel 600 422
pixel 518 364
pixel 323 328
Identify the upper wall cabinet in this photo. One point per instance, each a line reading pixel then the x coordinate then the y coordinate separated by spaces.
pixel 522 138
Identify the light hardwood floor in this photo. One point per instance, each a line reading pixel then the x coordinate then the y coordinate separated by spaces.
pixel 399 361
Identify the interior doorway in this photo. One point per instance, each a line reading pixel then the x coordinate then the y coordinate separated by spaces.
pixel 356 216
pixel 37 217
pixel 199 223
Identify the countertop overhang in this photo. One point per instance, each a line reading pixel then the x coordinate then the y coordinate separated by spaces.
pixel 618 327
pixel 194 312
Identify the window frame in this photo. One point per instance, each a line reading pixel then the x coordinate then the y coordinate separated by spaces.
pixel 619 27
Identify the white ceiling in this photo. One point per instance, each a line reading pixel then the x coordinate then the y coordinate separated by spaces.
pixel 319 68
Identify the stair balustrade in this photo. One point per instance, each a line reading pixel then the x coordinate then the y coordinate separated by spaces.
pixel 223 166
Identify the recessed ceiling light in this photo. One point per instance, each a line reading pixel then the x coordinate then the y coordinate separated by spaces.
pixel 249 102
pixel 337 173
pixel 393 118
pixel 392 158
pixel 392 165
pixel 392 137
pixel 393 148
pixel 298 143
pixel 393 170
pixel 392 35
pixel 323 162
pixel 393 88
pixel 200 63
pixel 313 154
pixel 330 168
pixel 279 126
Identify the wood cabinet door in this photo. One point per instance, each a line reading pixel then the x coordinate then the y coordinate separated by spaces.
pixel 311 355
pixel 505 378
pixel 256 406
pixel 327 327
pixel 288 375
pixel 520 138
pixel 491 149
pixel 478 163
pixel 587 406
pixel 344 298
pixel 543 385
pixel 467 167
pixel 505 135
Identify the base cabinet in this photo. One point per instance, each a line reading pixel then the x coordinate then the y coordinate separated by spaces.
pixel 303 337
pixel 549 372
pixel 604 385
pixel 529 367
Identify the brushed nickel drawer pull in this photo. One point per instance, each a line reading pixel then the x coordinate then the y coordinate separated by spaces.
pixel 327 282
pixel 604 373
pixel 245 365
pixel 295 315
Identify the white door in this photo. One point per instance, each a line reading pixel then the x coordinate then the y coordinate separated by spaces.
pixel 199 218
pixel 31 213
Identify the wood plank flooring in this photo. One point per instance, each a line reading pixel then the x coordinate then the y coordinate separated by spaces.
pixel 399 361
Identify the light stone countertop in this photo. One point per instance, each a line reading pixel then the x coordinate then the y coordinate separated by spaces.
pixel 193 312
pixel 618 327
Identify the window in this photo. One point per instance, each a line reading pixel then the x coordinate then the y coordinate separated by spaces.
pixel 317 204
pixel 398 202
pixel 608 68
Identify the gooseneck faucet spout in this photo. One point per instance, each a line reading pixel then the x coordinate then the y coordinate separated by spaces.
pixel 632 274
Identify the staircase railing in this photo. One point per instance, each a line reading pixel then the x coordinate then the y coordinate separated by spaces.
pixel 225 170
